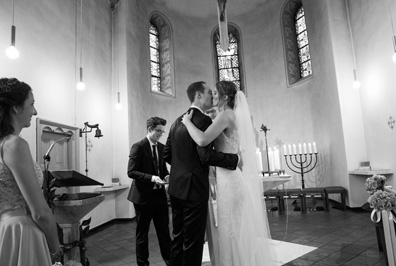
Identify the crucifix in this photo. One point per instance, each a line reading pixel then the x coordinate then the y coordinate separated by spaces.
pixel 223 28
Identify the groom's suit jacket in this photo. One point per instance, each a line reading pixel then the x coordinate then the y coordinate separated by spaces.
pixel 189 175
pixel 141 169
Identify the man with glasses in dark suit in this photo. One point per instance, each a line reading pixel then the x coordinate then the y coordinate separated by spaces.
pixel 149 173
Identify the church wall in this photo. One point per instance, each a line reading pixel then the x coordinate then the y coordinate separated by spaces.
pixel 348 148
pixel 285 110
pixel 325 107
pixel 45 37
pixel 374 49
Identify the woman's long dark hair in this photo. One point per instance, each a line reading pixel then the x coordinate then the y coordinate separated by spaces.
pixel 227 88
pixel 12 93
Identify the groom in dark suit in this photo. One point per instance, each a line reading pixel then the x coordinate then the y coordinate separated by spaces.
pixel 189 179
pixel 148 170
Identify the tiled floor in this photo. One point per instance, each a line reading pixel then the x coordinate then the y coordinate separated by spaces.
pixel 341 237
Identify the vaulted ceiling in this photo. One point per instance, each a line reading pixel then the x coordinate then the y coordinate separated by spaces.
pixel 205 8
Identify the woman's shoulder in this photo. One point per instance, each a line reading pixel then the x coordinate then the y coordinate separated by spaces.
pixel 15 143
pixel 227 118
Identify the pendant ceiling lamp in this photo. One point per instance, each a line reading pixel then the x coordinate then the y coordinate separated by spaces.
pixel 81 85
pixel 356 82
pixel 12 51
pixel 118 105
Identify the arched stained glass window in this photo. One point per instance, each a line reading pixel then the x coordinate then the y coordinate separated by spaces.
pixel 302 43
pixel 155 59
pixel 228 65
pixel 161 55
pixel 295 41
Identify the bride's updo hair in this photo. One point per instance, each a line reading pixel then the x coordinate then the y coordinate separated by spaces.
pixel 227 88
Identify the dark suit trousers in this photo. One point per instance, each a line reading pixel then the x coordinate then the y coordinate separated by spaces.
pixel 157 210
pixel 189 223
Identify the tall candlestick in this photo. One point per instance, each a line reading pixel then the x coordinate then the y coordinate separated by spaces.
pixel 284 150
pixel 290 152
pixel 305 148
pixel 314 147
pixel 299 148
pixel 310 147
pixel 294 149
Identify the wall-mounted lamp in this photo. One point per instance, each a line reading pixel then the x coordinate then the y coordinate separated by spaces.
pixel 80 85
pixel 11 51
pixel 87 129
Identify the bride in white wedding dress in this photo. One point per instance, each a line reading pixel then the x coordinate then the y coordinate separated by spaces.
pixel 243 231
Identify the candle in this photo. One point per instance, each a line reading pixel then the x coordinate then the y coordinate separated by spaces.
pixel 284 150
pixel 259 160
pixel 290 153
pixel 305 148
pixel 310 147
pixel 299 148
pixel 276 159
pixel 271 160
pixel 314 147
pixel 294 149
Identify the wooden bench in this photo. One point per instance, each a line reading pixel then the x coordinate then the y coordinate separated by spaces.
pixel 291 193
pixel 315 192
pixel 274 193
pixel 336 190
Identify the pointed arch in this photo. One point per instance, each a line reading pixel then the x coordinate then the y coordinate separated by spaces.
pixel 228 64
pixel 161 55
pixel 295 40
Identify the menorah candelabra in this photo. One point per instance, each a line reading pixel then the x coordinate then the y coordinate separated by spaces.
pixel 300 165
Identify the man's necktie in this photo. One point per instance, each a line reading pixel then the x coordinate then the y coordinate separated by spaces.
pixel 155 158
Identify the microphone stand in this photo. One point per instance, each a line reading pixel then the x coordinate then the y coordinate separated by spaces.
pixel 48 178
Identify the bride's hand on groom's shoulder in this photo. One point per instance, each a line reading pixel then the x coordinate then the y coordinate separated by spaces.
pixel 187 116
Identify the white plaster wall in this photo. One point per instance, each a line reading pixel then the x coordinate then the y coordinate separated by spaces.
pixel 372 32
pixel 46 40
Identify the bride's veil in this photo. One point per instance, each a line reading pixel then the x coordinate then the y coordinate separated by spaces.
pixel 254 219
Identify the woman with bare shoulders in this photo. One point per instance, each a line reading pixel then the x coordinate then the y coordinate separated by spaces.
pixel 28 234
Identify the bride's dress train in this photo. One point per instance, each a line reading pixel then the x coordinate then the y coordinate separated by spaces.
pixel 243 232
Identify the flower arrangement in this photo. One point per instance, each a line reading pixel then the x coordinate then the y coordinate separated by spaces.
pixel 382 201
pixel 374 183
pixel 381 198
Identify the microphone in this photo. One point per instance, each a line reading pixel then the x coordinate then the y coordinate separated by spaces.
pixel 46 156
